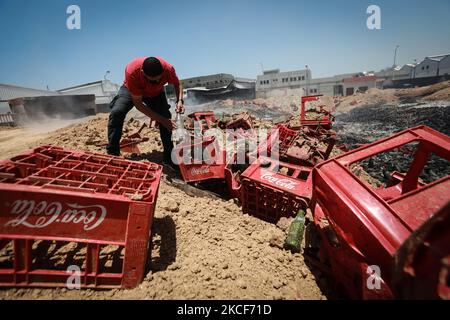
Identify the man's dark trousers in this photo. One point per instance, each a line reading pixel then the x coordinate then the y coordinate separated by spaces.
pixel 121 105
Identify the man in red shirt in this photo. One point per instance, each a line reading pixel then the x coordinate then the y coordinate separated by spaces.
pixel 144 88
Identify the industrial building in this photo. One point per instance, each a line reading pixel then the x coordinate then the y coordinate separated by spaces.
pixel 104 91
pixel 209 81
pixel 10 92
pixel 275 83
pixel 438 65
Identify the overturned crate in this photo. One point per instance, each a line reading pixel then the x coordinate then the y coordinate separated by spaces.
pixel 96 208
pixel 272 189
pixel 390 239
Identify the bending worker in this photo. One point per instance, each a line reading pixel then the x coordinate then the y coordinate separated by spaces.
pixel 144 88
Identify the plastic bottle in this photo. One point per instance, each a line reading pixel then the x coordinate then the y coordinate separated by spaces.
pixel 294 238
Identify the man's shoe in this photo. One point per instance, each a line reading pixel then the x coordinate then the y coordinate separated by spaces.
pixel 117 154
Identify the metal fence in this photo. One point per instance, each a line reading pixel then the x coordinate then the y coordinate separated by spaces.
pixel 7 119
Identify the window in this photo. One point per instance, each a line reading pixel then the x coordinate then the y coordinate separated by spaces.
pixel 303 77
pixel 260 82
pixel 428 67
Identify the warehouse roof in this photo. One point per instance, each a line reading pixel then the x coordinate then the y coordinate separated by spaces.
pixel 439 57
pixel 81 85
pixel 9 92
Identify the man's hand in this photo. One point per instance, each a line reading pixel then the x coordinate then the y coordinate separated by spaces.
pixel 180 107
pixel 169 124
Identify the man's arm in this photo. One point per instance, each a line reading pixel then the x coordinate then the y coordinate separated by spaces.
pixel 175 81
pixel 179 93
pixel 168 123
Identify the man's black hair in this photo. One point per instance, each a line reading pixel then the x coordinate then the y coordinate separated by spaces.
pixel 152 67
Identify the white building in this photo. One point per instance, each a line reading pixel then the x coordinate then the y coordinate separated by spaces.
pixel 276 83
pixel 432 66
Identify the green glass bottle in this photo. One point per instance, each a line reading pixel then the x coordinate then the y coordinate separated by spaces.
pixel 294 237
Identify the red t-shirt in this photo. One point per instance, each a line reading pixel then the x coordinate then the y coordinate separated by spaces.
pixel 138 85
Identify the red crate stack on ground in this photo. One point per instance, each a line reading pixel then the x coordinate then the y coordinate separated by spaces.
pixel 89 202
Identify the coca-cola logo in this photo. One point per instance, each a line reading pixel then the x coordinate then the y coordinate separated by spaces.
pixel 49 212
pixel 281 182
pixel 202 170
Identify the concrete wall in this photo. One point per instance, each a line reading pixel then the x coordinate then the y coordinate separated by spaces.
pixel 284 92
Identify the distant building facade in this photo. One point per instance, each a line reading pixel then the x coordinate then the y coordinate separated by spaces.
pixel 209 81
pixel 11 92
pixel 274 82
pixel 438 65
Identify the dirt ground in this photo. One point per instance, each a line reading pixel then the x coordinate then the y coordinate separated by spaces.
pixel 436 92
pixel 203 248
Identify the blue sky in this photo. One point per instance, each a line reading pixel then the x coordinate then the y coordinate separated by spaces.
pixel 202 37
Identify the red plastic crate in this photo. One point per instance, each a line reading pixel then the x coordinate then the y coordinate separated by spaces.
pixel 50 196
pixel 323 122
pixel 401 227
pixel 270 194
pixel 278 142
pixel 232 177
pixel 193 169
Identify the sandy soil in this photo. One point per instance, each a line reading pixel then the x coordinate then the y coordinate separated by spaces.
pixel 203 248
pixel 17 139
